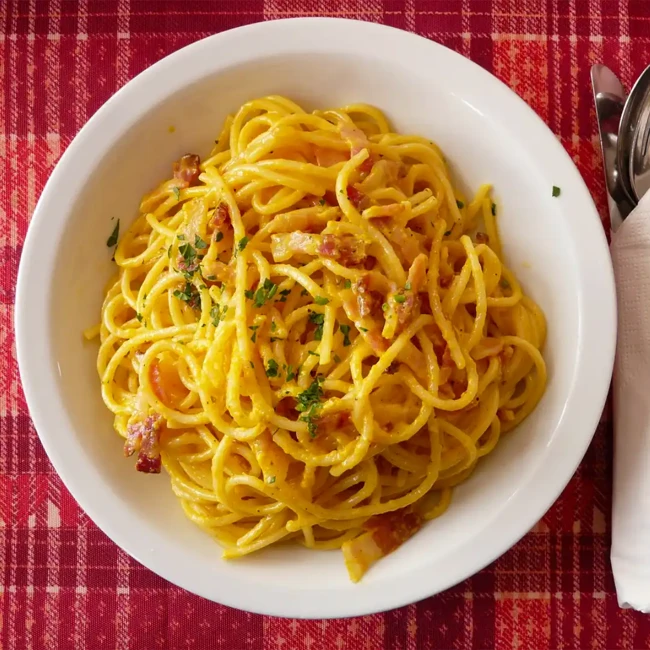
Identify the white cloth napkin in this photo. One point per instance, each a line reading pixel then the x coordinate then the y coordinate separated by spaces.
pixel 630 556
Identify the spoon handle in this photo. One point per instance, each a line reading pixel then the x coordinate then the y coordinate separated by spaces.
pixel 609 97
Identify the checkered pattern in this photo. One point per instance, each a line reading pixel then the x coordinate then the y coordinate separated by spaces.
pixel 63 584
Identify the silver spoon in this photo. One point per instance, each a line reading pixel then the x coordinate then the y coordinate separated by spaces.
pixel 628 130
pixel 609 97
pixel 640 153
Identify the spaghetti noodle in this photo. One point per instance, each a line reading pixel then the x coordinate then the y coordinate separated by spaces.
pixel 308 332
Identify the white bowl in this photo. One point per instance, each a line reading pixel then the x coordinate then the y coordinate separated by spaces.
pixel 555 245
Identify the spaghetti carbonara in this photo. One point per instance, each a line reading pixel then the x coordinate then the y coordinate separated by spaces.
pixel 314 333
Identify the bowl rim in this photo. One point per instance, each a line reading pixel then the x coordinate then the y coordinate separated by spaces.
pixel 595 356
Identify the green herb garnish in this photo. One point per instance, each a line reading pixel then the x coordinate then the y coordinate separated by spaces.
pixel 249 294
pixel 318 320
pixel 112 240
pixel 284 293
pixel 556 191
pixel 312 353
pixel 272 368
pixel 243 242
pixel 460 204
pixel 254 328
pixel 400 298
pixel 308 403
pixel 347 284
pixel 139 316
pixel 273 326
pixel 363 329
pixel 494 209
pixel 320 300
pixel 177 192
pixel 504 283
pixel 290 373
pixel 189 294
pixel 219 236
pixel 345 330
pixel 271 480
pixel 384 307
pixel 322 201
pixel 337 359
pixel 265 292
pixel 199 243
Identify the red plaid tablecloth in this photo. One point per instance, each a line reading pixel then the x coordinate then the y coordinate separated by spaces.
pixel 63 584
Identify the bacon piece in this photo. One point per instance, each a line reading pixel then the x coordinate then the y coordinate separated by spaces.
pixel 184 267
pixel 377 342
pixel 165 382
pixel 187 170
pixel 143 437
pixel 482 238
pixel 365 300
pixel 283 247
pixel 327 157
pixel 348 249
pixel 221 217
pixel 385 533
pixel 416 279
pixel 404 239
pixel 355 196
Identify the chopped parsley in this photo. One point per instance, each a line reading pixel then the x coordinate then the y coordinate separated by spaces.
pixel 189 294
pixel 494 209
pixel 219 236
pixel 283 295
pixel 345 330
pixel 556 191
pixel 304 292
pixel 271 479
pixel 448 233
pixel 322 201
pixel 112 240
pixel 320 300
pixel 363 329
pixel 243 242
pixel 217 314
pixel 272 368
pixel 399 298
pixel 312 353
pixel 189 264
pixel 199 243
pixel 308 403
pixel 249 294
pixel 139 316
pixel 348 284
pixel 252 365
pixel 337 359
pixel 318 320
pixel 254 328
pixel 273 326
pixel 291 374
pixel 181 237
pixel 407 286
pixel 169 252
pixel 384 307
pixel 211 277
pixel 177 192
pixel 460 204
pixel 265 293
pixel 504 283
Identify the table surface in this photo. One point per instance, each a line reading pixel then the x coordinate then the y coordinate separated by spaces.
pixel 63 584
